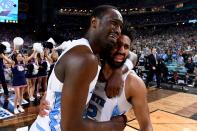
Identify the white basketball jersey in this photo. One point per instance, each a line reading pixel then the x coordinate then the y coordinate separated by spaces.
pixel 101 108
pixel 54 91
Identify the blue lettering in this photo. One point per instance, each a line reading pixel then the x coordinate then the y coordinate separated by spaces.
pixel 92 110
pixel 100 101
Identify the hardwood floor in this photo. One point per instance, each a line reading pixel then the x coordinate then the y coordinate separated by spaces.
pixel 165 121
pixel 166 108
pixel 175 105
pixel 20 120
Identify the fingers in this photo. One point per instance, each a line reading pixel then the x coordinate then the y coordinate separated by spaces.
pixel 43 97
pixel 120 118
pixel 44 107
pixel 125 119
pixel 44 104
pixel 43 113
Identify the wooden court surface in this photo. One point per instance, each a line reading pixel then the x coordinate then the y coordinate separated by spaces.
pixel 165 121
pixel 169 111
pixel 128 128
pixel 162 103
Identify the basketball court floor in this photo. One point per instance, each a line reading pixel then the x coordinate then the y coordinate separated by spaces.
pixel 169 111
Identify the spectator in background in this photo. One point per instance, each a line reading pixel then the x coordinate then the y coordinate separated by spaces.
pixel 2 76
pixel 180 60
pixel 164 71
pixel 31 64
pixel 19 81
pixel 154 68
pixel 54 57
pixel 190 66
pixel 42 73
pixel 194 58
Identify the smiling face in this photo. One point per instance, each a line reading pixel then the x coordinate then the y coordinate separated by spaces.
pixel 19 57
pixel 120 52
pixel 108 28
pixel 113 25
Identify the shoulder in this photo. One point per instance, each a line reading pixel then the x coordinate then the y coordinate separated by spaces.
pixel 134 80
pixel 78 54
pixel 81 55
pixel 135 85
pixel 76 61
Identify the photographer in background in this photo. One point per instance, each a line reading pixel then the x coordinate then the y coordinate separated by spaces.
pixel 2 76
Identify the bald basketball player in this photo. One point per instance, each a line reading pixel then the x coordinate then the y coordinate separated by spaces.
pixel 75 74
pixel 133 94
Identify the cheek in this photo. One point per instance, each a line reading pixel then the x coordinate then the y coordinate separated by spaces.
pixel 127 53
pixel 113 52
pixel 107 28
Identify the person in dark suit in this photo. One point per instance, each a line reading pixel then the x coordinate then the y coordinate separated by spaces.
pixel 154 68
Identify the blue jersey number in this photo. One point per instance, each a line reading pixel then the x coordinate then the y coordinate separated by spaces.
pixel 92 110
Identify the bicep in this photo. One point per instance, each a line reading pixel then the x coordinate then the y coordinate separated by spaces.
pixel 78 75
pixel 139 102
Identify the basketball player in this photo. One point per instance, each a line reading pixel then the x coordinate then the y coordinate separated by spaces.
pixel 133 94
pixel 102 108
pixel 75 74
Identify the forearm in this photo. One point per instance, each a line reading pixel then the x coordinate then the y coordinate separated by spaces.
pixel 30 57
pixel 49 59
pixel 146 128
pixel 7 60
pixel 144 120
pixel 101 126
pixel 90 125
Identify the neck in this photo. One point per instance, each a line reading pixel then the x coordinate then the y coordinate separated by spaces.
pixel 106 71
pixel 93 42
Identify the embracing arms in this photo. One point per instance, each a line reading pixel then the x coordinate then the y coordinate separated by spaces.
pixel 79 70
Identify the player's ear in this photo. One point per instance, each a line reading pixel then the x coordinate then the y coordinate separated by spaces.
pixel 94 22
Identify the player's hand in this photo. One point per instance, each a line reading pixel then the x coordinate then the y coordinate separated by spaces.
pixel 44 107
pixel 120 121
pixel 114 84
